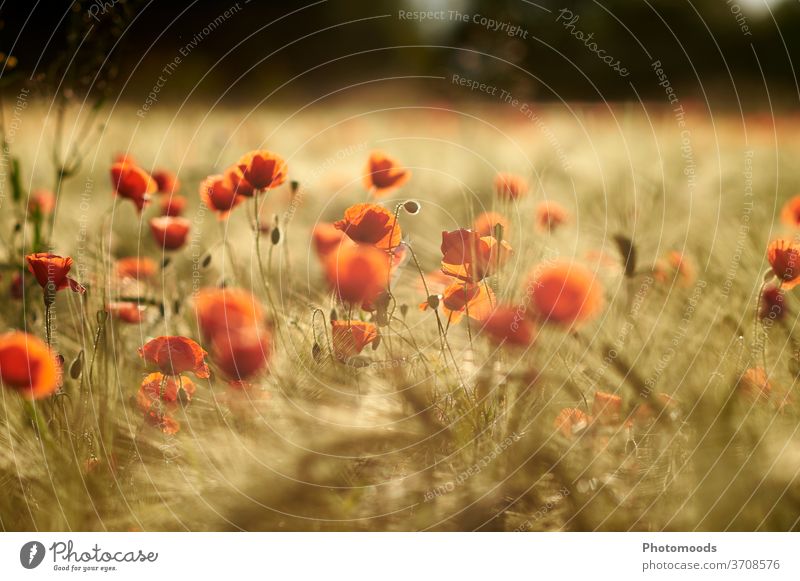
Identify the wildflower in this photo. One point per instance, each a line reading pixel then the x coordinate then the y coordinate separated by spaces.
pixel 170 232
pixel 607 407
pixel 357 274
pixel 27 366
pixel 51 272
pixel 550 215
pixel 136 268
pixel 510 186
pixel 773 304
pixel 166 182
pixel 126 311
pixel 241 353
pixel 264 170
pixel 240 185
pixel 783 255
pixel 173 205
pixel 507 325
pixel 486 224
pixel 565 293
pixel 219 310
pixel 175 355
pixel 470 257
pixel 384 174
pixel 471 299
pixel 326 238
pixel 755 385
pixel 219 195
pixel 350 337
pixel 570 421
pixel 131 182
pixel 371 224
pixel 165 391
pixel 790 213
pixel 41 202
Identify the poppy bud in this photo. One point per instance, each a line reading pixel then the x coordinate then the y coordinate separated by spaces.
pixel 206 261
pixel 404 310
pixel 376 343
pixel 77 366
pixel 433 301
pixel 275 236
pixel 316 352
pixel 295 186
pixel 412 207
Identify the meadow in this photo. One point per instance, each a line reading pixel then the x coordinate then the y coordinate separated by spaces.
pixel 620 353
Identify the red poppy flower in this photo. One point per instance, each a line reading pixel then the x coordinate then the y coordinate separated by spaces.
pixel 26 365
pixel 166 182
pixel 173 205
pixel 327 238
pixel 51 269
pixel 219 310
pixel 164 392
pixel 486 223
pixel 470 257
pixel 350 337
pixel 755 384
pixel 127 312
pixel 384 174
pixel 41 202
pixel 509 326
pixel 371 224
pixel 773 304
pixel 136 268
pixel 357 274
pixel 510 186
pixel 175 355
pixel 219 195
pixel 240 185
pixel 163 421
pixel 474 300
pixel 550 215
pixel 790 213
pixel 607 407
pixel 133 183
pixel 571 421
pixel 264 170
pixel 241 353
pixel 565 293
pixel 783 255
pixel 170 232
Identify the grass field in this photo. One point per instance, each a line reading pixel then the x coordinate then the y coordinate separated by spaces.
pixel 423 430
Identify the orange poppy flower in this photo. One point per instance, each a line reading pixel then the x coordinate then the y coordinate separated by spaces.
pixel 357 274
pixel 565 293
pixel 173 205
pixel 384 174
pixel 166 182
pixel 470 257
pixel 783 255
pixel 136 268
pixel 175 355
pixel 26 365
pixel 164 391
pixel 41 202
pixel 240 185
pixel 485 224
pixel 755 384
pixel 371 224
pixel 327 238
pixel 220 309
pixel 773 304
pixel 607 407
pixel 219 195
pixel 133 183
pixel 127 312
pixel 51 269
pixel 550 215
pixel 510 186
pixel 170 232
pixel 350 337
pixel 264 170
pixel 163 421
pixel 570 421
pixel 474 300
pixel 509 326
pixel 790 213
pixel 241 353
